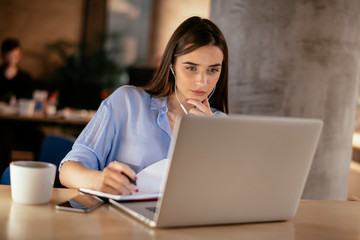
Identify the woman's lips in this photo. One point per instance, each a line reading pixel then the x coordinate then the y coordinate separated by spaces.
pixel 198 92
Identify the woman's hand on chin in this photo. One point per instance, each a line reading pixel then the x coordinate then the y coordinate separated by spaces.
pixel 202 108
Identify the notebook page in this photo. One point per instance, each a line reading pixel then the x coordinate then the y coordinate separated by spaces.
pixel 149 183
pixel 150 179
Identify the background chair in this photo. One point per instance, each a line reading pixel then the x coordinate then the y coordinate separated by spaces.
pixel 53 150
pixel 5 177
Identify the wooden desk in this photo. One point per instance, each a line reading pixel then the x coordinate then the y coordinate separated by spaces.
pixel 315 220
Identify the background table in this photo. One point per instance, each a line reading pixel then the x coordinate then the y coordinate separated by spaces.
pixel 69 126
pixel 315 219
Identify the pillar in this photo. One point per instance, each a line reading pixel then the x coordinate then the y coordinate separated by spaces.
pixel 298 59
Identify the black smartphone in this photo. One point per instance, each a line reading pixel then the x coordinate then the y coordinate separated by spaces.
pixel 81 203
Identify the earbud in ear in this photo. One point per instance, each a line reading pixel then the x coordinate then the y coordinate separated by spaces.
pixel 172 70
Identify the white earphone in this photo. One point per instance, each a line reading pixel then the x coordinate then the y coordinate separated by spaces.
pixel 182 106
pixel 172 70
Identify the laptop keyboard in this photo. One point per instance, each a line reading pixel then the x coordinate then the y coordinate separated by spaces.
pixel 151 209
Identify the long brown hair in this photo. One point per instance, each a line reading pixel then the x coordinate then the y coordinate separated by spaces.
pixel 193 33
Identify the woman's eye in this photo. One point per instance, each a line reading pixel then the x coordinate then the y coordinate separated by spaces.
pixel 191 68
pixel 213 70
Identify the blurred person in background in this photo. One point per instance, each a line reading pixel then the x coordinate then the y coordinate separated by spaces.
pixel 14 82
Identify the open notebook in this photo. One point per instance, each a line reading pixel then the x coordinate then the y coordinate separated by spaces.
pixel 149 184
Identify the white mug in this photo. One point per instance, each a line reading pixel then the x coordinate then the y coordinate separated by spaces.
pixel 32 181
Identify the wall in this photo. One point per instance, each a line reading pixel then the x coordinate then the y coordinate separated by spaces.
pixel 167 16
pixel 37 23
pixel 299 59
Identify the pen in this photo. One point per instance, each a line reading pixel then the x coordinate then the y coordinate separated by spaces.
pixel 131 180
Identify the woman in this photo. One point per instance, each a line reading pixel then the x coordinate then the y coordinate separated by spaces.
pixel 132 128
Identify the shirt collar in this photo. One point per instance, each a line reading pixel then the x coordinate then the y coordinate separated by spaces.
pixel 158 103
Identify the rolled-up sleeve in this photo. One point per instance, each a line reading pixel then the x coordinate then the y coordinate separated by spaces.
pixel 94 143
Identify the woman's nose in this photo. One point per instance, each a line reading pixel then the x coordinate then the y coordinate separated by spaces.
pixel 201 80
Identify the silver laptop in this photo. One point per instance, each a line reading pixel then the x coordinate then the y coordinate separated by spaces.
pixel 236 169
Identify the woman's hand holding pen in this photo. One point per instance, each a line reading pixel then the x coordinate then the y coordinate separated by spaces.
pixel 116 179
pixel 202 108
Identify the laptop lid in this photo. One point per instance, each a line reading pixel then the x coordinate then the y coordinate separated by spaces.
pixel 235 169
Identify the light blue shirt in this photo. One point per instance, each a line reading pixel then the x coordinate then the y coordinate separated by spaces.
pixel 130 126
